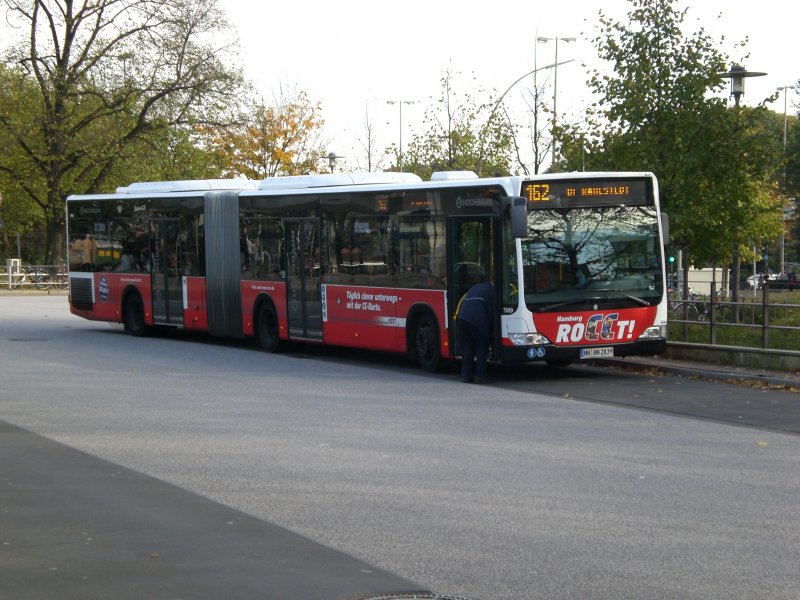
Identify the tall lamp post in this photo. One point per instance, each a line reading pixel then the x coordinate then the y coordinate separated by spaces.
pixel 737 75
pixel 544 40
pixel 785 89
pixel 400 149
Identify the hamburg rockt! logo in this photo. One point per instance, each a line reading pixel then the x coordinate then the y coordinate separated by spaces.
pixel 597 327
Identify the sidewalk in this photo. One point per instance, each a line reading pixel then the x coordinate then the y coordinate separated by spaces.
pixel 75 527
pixel 717 372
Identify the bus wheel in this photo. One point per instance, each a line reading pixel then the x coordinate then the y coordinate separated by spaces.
pixel 134 316
pixel 426 341
pixel 268 335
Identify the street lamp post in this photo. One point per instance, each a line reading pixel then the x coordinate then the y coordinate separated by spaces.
pixel 785 89
pixel 737 75
pixel 400 149
pixel 543 40
pixel 499 101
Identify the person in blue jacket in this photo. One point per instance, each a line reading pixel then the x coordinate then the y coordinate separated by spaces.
pixel 475 325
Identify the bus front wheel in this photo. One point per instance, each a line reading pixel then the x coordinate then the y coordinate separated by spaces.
pixel 426 343
pixel 268 335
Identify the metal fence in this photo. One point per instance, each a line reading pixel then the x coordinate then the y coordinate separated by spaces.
pixel 764 318
pixel 16 275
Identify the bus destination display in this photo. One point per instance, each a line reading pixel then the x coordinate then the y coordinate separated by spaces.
pixel 565 193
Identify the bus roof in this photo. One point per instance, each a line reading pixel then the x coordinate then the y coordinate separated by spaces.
pixel 308 183
pixel 335 180
pixel 187 185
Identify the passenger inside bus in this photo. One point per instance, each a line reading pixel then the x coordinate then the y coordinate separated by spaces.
pixel 88 250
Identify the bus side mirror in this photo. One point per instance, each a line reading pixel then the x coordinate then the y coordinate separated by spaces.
pixel 665 228
pixel 519 217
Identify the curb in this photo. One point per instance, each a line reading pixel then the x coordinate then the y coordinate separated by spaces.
pixel 703 372
pixel 32 292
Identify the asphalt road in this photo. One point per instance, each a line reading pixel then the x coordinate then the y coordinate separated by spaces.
pixel 514 490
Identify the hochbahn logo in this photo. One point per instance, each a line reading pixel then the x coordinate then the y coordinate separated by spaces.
pixel 474 202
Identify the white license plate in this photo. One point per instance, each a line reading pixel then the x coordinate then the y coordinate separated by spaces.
pixel 596 352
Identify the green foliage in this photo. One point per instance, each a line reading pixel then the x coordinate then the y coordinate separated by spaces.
pixel 460 136
pixel 283 139
pixel 793 153
pixel 716 166
pixel 792 175
pixel 18 177
pixel 91 97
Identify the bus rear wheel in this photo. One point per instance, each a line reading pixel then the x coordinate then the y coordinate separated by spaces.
pixel 134 316
pixel 268 330
pixel 426 344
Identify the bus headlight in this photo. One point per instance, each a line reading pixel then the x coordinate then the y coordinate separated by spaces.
pixel 528 339
pixel 659 331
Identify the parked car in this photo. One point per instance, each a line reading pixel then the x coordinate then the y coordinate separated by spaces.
pixel 756 282
pixel 786 281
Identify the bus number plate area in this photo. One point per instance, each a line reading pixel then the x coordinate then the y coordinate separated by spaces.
pixel 596 352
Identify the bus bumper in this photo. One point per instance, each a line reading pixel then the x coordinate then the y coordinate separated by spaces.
pixel 551 353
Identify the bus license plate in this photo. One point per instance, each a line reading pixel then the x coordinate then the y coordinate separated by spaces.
pixel 596 352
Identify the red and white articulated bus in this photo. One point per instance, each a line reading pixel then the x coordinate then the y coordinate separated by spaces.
pixel 379 261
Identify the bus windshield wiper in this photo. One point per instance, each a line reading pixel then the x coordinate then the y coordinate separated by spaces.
pixel 641 301
pixel 550 307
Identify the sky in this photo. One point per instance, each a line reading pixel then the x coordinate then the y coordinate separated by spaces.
pixel 355 55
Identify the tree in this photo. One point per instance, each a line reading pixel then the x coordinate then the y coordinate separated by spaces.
pixel 18 212
pixel 284 139
pixel 105 79
pixel 714 168
pixel 461 135
pixel 370 145
pixel 540 144
pixel 793 152
pixel 792 187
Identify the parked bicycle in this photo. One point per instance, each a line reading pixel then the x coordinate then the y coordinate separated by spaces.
pixel 42 277
pixel 56 277
pixel 28 275
pixel 685 309
pixel 688 309
pixel 722 309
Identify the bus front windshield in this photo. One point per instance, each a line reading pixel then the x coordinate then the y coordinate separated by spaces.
pixel 581 258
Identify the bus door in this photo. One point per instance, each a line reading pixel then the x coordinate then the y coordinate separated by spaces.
pixel 166 281
pixel 303 279
pixel 473 255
